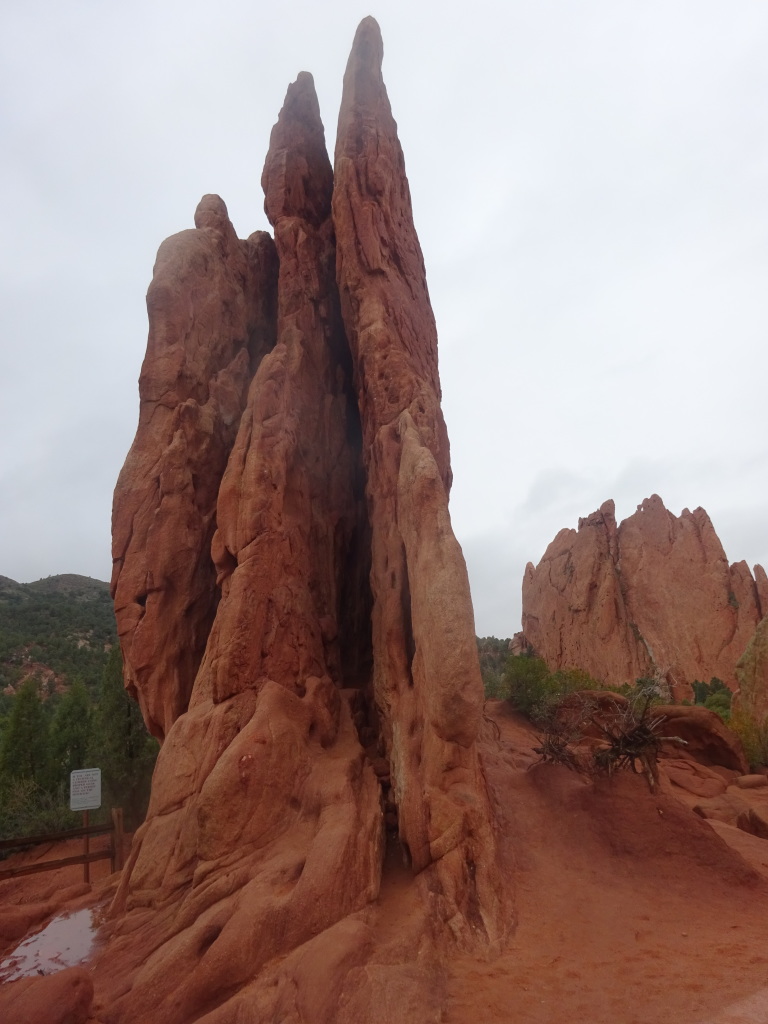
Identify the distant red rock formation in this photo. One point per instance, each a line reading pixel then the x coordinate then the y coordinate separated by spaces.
pixel 654 596
pixel 293 606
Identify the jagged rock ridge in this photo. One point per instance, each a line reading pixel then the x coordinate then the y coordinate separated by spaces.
pixel 293 607
pixel 654 596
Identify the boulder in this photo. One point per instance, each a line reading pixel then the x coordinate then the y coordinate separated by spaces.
pixel 61 998
pixel 708 740
pixel 752 781
pixel 753 822
pixel 728 808
pixel 16 921
pixel 694 778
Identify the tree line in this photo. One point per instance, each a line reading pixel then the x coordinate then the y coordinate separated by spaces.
pixel 43 741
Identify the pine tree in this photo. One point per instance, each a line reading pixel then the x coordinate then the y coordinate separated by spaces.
pixel 25 750
pixel 121 746
pixel 70 732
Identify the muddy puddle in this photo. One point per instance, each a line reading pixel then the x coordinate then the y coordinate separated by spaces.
pixel 66 941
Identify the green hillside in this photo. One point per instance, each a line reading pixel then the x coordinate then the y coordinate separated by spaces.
pixel 63 706
pixel 54 631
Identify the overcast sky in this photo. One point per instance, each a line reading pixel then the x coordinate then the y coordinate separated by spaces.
pixel 589 180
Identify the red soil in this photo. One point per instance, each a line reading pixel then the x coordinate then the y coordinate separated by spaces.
pixel 630 909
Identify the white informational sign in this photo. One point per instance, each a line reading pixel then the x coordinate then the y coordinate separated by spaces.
pixel 85 789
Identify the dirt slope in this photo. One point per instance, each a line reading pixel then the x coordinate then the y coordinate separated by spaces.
pixel 630 909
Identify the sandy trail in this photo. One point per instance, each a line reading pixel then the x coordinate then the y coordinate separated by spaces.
pixel 626 913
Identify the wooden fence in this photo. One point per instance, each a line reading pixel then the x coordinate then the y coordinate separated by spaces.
pixel 86 858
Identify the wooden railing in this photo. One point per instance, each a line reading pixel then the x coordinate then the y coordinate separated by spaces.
pixel 86 858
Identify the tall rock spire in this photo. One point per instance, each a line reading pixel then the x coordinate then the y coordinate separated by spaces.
pixel 264 776
pixel 211 308
pixel 426 673
pixel 330 732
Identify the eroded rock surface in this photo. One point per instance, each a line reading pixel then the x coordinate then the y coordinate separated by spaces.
pixel 654 597
pixel 426 670
pixel 329 707
pixel 211 319
pixel 62 998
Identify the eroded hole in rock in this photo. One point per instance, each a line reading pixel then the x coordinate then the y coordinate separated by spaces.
pixel 296 871
pixel 210 933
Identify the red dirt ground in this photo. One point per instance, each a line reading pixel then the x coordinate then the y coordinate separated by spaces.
pixel 630 909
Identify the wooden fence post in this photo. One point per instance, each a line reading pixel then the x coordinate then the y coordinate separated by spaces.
pixel 117 838
pixel 86 848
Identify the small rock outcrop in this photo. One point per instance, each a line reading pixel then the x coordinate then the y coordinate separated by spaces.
pixel 654 596
pixel 294 608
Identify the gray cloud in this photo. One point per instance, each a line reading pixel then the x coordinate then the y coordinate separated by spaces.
pixel 589 188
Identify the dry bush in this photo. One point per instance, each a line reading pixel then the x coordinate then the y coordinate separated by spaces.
pixel 629 735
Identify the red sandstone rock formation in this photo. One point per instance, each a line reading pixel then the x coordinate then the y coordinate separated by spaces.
pixel 211 319
pixel 426 670
pixel 62 998
pixel 652 597
pixel 337 697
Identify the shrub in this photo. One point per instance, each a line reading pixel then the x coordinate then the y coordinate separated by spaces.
pixel 629 735
pixel 26 809
pixel 493 653
pixel 527 681
pixel 754 737
pixel 533 689
pixel 720 703
pixel 714 695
